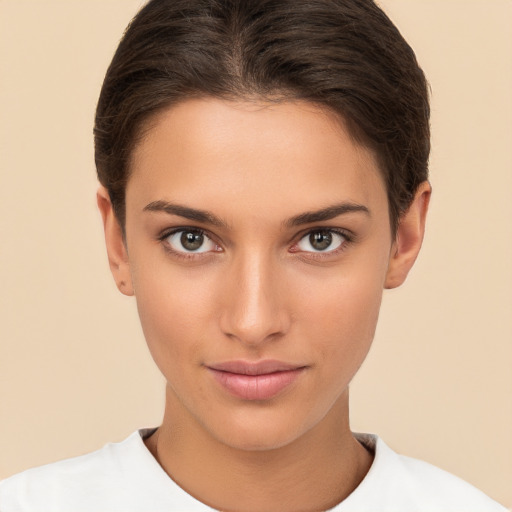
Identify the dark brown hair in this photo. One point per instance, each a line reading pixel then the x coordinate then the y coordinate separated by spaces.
pixel 345 55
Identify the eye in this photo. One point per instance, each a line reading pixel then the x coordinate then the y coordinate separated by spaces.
pixel 322 240
pixel 190 241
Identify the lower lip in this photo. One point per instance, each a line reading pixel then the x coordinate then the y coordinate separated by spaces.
pixel 256 387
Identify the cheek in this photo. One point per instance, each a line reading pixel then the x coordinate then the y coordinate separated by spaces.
pixel 173 308
pixel 341 315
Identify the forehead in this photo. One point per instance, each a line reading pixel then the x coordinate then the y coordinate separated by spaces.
pixel 228 153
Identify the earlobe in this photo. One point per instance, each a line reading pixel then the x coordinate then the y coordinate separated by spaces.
pixel 409 237
pixel 114 240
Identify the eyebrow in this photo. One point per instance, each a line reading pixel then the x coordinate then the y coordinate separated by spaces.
pixel 204 216
pixel 330 212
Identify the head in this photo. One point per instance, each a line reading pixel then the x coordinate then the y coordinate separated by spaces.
pixel 264 168
pixel 343 55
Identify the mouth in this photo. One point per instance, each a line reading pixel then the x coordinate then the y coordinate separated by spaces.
pixel 260 380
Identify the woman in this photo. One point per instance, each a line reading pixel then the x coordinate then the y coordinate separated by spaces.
pixel 263 169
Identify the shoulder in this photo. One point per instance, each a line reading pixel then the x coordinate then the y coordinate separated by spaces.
pixel 441 488
pixel 34 488
pixel 398 483
pixel 108 479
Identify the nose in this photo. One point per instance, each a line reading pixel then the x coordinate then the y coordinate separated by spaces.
pixel 254 303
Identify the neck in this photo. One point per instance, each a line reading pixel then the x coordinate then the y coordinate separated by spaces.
pixel 316 471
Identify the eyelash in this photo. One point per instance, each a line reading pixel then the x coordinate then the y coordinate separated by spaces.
pixel 185 255
pixel 347 236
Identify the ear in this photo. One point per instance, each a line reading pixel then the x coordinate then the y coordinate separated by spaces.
pixel 409 237
pixel 114 240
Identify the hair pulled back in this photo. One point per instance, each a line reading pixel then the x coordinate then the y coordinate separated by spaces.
pixel 345 55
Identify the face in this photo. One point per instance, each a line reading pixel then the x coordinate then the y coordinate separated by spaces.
pixel 257 246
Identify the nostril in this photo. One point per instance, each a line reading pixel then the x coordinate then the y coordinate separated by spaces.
pixel 255 325
pixel 254 309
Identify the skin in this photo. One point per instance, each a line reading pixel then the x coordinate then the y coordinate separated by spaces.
pixel 260 290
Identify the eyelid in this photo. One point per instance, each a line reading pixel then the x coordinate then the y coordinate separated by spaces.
pixel 165 234
pixel 348 235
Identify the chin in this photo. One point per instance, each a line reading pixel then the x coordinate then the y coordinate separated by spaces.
pixel 259 432
pixel 257 441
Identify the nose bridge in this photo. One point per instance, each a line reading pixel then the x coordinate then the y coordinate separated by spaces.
pixel 254 308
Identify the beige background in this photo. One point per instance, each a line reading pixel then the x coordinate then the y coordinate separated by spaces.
pixel 74 370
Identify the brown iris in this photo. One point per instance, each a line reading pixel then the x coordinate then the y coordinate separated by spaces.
pixel 192 240
pixel 320 240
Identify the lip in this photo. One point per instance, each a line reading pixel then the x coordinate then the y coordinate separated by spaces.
pixel 261 380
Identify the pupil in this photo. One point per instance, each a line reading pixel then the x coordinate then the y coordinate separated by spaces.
pixel 320 240
pixel 192 241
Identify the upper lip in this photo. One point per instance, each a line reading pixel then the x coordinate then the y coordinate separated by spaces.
pixel 263 367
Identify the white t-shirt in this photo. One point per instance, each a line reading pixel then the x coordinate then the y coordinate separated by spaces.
pixel 125 477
